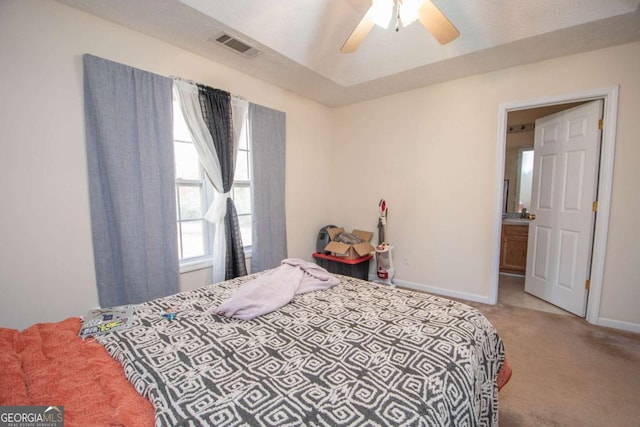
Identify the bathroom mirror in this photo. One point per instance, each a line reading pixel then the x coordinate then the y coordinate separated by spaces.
pixel 518 172
pixel 525 181
pixel 517 189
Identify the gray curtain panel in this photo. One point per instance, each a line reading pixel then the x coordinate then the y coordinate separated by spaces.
pixel 129 133
pixel 268 141
pixel 216 112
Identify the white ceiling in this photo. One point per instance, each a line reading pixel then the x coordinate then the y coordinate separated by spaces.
pixel 299 40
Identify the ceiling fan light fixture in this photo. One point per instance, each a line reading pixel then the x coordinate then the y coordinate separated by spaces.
pixel 406 12
pixel 409 11
pixel 381 12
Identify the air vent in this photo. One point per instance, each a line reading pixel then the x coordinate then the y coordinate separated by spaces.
pixel 236 45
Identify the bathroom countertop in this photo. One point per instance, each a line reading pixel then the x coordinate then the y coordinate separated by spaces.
pixel 516 221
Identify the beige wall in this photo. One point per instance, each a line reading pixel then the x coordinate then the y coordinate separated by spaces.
pixel 46 258
pixel 432 154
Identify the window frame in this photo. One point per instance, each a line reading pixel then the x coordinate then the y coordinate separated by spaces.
pixel 208 194
pixel 205 200
pixel 242 183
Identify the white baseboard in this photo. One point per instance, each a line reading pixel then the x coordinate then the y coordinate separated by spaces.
pixel 619 324
pixel 437 291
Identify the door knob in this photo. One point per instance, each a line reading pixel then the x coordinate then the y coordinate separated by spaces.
pixel 532 216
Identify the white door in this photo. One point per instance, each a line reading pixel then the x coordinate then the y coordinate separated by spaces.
pixel 565 178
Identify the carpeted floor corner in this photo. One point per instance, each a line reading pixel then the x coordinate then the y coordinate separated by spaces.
pixel 566 372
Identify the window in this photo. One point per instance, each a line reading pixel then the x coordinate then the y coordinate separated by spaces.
pixel 194 194
pixel 241 191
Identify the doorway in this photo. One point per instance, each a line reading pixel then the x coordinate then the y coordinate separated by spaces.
pixel 609 96
pixel 518 174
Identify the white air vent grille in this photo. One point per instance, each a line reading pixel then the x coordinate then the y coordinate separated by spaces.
pixel 236 45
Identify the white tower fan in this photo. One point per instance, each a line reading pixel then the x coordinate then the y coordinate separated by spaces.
pixel 384 262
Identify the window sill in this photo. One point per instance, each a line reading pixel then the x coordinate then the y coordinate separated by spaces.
pixel 202 263
pixel 193 265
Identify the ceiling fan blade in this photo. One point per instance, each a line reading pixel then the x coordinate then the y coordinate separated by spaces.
pixel 357 36
pixel 438 24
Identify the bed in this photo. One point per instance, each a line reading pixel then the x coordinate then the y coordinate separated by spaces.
pixel 355 354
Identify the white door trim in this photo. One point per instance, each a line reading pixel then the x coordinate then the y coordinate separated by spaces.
pixel 605 181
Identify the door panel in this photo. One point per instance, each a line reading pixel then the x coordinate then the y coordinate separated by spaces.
pixel 542 240
pixel 569 241
pixel 566 157
pixel 546 178
pixel 572 191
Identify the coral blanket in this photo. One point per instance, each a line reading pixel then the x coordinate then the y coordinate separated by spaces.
pixel 273 289
pixel 48 364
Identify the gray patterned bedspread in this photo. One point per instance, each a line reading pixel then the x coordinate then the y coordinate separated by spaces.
pixel 356 354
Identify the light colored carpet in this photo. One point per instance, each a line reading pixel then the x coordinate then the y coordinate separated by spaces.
pixel 566 372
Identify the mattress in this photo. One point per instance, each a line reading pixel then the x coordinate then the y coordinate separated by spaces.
pixel 356 354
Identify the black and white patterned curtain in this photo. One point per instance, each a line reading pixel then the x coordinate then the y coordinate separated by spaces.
pixel 217 115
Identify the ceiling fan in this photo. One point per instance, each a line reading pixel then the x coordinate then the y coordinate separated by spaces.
pixel 406 12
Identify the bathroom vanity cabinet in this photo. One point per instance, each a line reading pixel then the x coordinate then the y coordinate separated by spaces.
pixel 513 248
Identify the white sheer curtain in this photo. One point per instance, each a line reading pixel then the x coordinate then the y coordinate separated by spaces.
pixel 187 94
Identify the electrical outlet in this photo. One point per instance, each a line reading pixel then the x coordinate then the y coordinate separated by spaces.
pixel 405 260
